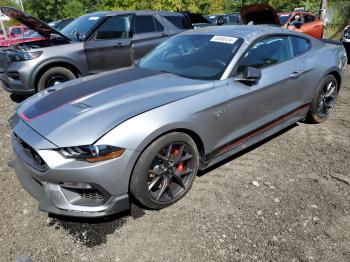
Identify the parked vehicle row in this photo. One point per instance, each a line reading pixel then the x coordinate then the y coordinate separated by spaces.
pixel 83 148
pixel 91 44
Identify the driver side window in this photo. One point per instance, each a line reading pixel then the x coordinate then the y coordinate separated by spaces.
pixel 114 28
pixel 267 52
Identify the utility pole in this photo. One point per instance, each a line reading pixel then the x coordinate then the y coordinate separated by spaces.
pixel 3 25
pixel 21 4
pixel 323 10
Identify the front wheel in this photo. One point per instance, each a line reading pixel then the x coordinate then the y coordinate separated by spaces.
pixel 54 76
pixel 165 171
pixel 324 100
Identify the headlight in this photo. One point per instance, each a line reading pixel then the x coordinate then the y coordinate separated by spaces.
pixel 24 56
pixel 91 154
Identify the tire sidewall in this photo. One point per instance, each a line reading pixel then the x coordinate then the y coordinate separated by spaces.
pixel 138 179
pixel 314 116
pixel 54 71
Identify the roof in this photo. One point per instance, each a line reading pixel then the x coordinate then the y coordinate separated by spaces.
pixel 241 31
pixel 295 12
pixel 111 13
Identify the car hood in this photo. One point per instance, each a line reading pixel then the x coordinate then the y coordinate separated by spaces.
pixel 81 111
pixel 259 14
pixel 33 23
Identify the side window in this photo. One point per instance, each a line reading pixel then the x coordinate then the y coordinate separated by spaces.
pixel 147 24
pixel 309 18
pixel 300 45
pixel 159 26
pixel 179 21
pixel 113 28
pixel 267 52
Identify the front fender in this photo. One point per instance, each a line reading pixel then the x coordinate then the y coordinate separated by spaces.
pixel 82 69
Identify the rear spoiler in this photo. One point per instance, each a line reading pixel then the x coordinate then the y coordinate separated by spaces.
pixel 329 41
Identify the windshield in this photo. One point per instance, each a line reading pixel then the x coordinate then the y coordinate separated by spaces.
pixel 193 56
pixel 284 19
pixel 78 29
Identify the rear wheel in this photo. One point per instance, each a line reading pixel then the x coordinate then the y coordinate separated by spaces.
pixel 324 100
pixel 54 76
pixel 165 171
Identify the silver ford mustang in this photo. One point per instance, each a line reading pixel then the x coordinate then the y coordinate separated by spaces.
pixel 83 148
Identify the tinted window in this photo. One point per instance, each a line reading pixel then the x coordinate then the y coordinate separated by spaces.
pixel 284 18
pixel 179 21
pixel 300 45
pixel 267 52
pixel 309 18
pixel 193 56
pixel 144 24
pixel 16 31
pixel 115 27
pixel 232 19
pixel 159 26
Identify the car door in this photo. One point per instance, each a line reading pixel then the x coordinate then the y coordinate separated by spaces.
pixel 109 47
pixel 253 106
pixel 148 32
pixel 312 26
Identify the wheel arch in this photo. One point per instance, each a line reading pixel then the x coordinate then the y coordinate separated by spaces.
pixel 196 138
pixel 337 77
pixel 66 63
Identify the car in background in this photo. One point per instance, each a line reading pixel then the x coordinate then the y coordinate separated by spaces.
pixel 17 31
pixel 18 34
pixel 91 44
pixel 225 19
pixel 84 148
pixel 346 40
pixel 302 21
pixel 299 21
pixel 60 24
pixel 196 20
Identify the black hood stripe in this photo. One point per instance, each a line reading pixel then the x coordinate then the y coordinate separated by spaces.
pixel 82 89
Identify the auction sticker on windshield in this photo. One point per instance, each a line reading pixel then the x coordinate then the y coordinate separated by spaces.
pixel 224 39
pixel 94 18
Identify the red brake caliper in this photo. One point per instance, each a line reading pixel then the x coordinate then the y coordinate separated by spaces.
pixel 180 166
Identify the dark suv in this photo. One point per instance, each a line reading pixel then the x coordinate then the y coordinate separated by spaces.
pixel 91 44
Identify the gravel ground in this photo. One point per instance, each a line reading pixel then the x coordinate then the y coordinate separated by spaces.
pixel 286 199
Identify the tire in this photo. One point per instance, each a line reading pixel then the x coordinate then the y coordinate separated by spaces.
pixel 321 105
pixel 154 156
pixel 61 74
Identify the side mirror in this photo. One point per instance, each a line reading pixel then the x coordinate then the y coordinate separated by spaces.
pixel 250 74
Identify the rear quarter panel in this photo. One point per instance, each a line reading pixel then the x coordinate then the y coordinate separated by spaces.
pixel 320 61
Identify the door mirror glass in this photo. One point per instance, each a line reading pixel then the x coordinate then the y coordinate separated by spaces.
pixel 249 74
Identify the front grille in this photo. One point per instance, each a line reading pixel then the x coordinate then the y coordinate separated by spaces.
pixel 85 196
pixel 91 194
pixel 32 157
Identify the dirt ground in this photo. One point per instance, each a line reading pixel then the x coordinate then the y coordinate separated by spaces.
pixel 287 199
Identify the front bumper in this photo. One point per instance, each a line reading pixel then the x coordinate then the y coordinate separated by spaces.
pixel 14 86
pixel 51 186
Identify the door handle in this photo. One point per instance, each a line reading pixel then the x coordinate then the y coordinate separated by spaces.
pixel 118 45
pixel 296 74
